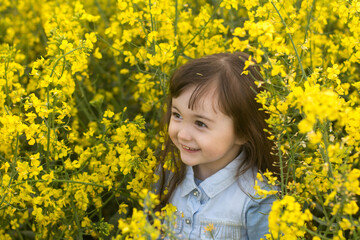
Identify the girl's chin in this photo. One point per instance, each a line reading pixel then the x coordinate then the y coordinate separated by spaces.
pixel 189 162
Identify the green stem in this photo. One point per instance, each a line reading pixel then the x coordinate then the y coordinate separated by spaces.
pixel 50 124
pixel 324 151
pixel 48 131
pixel 61 57
pixel 61 181
pixel 316 234
pixel 292 42
pixel 175 29
pixel 283 185
pixel 13 168
pixel 153 28
pixel 7 99
pixel 108 43
pixel 324 211
pixel 337 217
pixel 151 17
pixel 102 13
pixel 176 18
pixel 80 235
pixel 88 109
pixel 19 234
pixel 308 25
pixel 3 199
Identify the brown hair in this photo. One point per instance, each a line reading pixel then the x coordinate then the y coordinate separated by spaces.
pixel 236 97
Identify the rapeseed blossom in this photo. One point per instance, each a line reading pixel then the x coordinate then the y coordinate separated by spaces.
pixel 82 92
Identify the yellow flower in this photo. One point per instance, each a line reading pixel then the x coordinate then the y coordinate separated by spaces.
pixel 209 227
pixel 351 208
pixel 91 37
pixel 345 224
pixel 65 45
pixel 228 4
pixel 97 53
pixel 108 114
pixel 48 177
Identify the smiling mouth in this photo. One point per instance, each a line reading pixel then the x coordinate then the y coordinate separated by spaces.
pixel 189 149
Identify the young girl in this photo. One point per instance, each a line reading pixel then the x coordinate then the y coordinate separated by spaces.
pixel 217 144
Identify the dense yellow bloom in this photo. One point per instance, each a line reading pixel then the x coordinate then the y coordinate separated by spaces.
pixel 287 220
pixel 69 149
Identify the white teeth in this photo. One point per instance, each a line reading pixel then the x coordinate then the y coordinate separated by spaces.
pixel 188 148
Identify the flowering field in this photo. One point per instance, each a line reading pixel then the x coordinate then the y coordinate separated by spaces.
pixel 83 85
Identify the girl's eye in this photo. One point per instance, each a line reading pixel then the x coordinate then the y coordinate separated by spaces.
pixel 201 124
pixel 176 115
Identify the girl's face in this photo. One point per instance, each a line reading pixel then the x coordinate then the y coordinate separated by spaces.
pixel 204 135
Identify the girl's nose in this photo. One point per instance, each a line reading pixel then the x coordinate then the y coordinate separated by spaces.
pixel 184 134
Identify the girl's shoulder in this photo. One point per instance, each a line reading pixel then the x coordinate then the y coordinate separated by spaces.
pixel 255 185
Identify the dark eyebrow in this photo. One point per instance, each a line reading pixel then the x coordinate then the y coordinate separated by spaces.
pixel 196 115
pixel 175 108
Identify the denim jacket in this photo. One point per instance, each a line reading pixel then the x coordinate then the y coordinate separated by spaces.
pixel 225 202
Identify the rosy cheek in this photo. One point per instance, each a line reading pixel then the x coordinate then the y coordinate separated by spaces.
pixel 172 131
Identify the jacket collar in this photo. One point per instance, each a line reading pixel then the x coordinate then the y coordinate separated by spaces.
pixel 217 182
